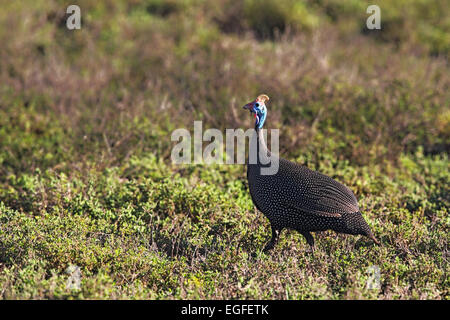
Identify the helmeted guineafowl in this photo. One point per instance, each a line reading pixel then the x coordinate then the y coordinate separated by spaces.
pixel 298 198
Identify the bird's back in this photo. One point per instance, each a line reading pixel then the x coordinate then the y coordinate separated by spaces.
pixel 297 196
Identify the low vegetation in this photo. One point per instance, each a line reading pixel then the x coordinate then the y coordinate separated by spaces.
pixel 85 122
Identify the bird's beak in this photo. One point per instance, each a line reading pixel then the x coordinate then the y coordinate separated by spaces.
pixel 376 241
pixel 249 107
pixel 371 236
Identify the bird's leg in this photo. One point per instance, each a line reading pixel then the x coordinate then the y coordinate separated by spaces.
pixel 309 239
pixel 273 241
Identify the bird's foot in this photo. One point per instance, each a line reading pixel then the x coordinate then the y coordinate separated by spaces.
pixel 268 247
pixel 311 250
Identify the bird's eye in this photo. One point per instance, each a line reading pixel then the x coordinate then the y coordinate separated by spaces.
pixel 257 105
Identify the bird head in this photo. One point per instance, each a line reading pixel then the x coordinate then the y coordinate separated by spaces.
pixel 361 227
pixel 258 108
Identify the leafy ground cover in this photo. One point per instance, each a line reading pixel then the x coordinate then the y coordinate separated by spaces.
pixel 85 122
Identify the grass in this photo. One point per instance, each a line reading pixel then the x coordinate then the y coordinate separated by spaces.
pixel 85 122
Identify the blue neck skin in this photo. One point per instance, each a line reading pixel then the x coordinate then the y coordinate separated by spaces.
pixel 260 117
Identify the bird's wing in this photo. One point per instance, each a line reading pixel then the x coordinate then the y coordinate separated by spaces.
pixel 316 193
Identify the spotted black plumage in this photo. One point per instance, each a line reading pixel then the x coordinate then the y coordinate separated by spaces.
pixel 299 198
